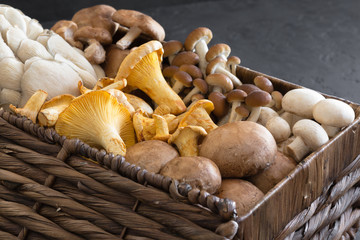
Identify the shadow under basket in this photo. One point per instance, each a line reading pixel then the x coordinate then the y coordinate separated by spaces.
pixel 57 188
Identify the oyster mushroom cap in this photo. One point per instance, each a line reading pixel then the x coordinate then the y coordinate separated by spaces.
pixel 240 148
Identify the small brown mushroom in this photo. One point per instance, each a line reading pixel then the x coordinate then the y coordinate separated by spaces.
pixel 221 106
pixel 137 23
pixel 231 64
pixel 185 57
pixel 264 84
pixel 171 48
pixel 235 97
pixel 219 82
pixel 269 177
pixel 182 80
pixel 256 100
pixel 66 29
pixel 218 50
pixel 198 41
pixel 200 86
pixel 193 70
pixel 245 194
pixel 239 149
pixel 217 65
pixel 197 171
pixel 151 155
pixel 241 113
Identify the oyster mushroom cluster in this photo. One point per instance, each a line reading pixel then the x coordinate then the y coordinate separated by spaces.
pixel 180 109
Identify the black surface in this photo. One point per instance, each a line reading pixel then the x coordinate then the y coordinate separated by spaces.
pixel 312 43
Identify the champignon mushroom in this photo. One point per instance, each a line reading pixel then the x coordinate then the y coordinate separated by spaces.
pixel 245 194
pixel 32 106
pixel 239 149
pixel 269 177
pixel 333 114
pixel 198 41
pixel 217 65
pixel 99 120
pixel 151 155
pixel 51 109
pixel 197 171
pixel 309 137
pixel 138 23
pixel 142 70
pixel 279 128
pixel 290 118
pixel 301 101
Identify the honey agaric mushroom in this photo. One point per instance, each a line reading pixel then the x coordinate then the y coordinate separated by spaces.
pixel 309 137
pixel 220 105
pixel 193 70
pixel 333 114
pixel 197 171
pixel 240 148
pixel 218 50
pixel 151 155
pixel 113 59
pixel 171 48
pixel 66 29
pixel 219 82
pixel 301 101
pixel 138 23
pixel 198 115
pixel 96 29
pixel 231 64
pixel 217 65
pixel 99 120
pixel 182 80
pixel 235 97
pixel 33 105
pixel 186 140
pixel 198 41
pixel 265 114
pixel 264 84
pixel 277 99
pixel 256 100
pixel 145 127
pixel 185 57
pixel 200 86
pixel 241 113
pixel 290 118
pixel 51 109
pixel 142 70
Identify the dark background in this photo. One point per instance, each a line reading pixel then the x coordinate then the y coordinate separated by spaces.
pixel 312 43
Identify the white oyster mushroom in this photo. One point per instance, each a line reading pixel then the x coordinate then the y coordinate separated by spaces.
pixel 5 51
pixel 14 37
pixel 333 114
pixel 34 29
pixel 30 48
pixel 309 137
pixel 54 77
pixel 11 71
pixel 10 96
pixel 4 26
pixel 15 17
pixel 301 101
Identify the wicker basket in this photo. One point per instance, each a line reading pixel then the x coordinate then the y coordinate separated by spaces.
pixel 57 188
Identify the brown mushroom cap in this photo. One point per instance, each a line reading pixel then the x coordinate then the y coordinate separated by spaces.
pixel 239 148
pixel 220 80
pixel 197 171
pixel 220 105
pixel 201 85
pixel 201 33
pixel 214 64
pixel 220 49
pixel 185 57
pixel 169 71
pixel 131 18
pixel 66 29
pixel 264 83
pixel 193 70
pixel 236 95
pixel 269 177
pixel 183 77
pixel 86 33
pixel 113 59
pixel 172 47
pixel 248 88
pixel 244 193
pixel 151 155
pixel 258 98
pixel 242 112
pixel 98 16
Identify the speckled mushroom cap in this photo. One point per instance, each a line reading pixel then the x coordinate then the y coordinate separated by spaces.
pixel 147 24
pixel 138 53
pixel 220 49
pixel 201 33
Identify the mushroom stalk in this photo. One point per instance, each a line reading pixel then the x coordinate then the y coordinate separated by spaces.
pixel 129 37
pixel 234 105
pixel 232 77
pixel 111 140
pixel 193 91
pixel 298 148
pixel 254 114
pixel 201 49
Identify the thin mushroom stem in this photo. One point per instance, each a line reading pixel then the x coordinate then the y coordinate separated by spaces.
pixel 234 105
pixel 232 77
pixel 112 140
pixel 254 114
pixel 129 37
pixel 201 49
pixel 193 91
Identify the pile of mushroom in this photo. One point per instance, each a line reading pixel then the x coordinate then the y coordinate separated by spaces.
pixel 178 109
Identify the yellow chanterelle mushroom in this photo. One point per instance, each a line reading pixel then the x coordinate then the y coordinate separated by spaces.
pixel 141 69
pixel 99 120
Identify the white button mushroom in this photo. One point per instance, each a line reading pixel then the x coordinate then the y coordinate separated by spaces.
pixel 301 101
pixel 333 114
pixel 309 136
